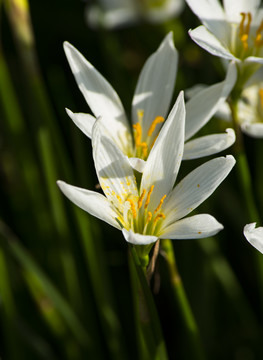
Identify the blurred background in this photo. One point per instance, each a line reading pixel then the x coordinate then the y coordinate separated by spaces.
pixel 65 285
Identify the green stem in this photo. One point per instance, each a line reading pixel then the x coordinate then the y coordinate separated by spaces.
pixel 180 296
pixel 148 314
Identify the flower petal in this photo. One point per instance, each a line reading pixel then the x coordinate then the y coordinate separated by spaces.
pixel 92 202
pixel 202 106
pixel 165 157
pixel 155 86
pixel 113 169
pixel 233 8
pixel 83 121
pixel 196 187
pixel 210 43
pixel 254 59
pixel 254 130
pixel 137 164
pixel 99 94
pixel 138 239
pixel 211 14
pixel 254 236
pixel 208 145
pixel 193 227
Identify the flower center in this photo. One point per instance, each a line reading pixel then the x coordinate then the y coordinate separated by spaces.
pixel 244 30
pixel 143 143
pixel 137 217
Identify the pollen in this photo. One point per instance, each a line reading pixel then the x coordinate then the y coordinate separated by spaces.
pixel 149 217
pixel 141 199
pixel 260 92
pixel 157 120
pixel 138 133
pixel 258 40
pixel 158 217
pixel 148 197
pixel 132 208
pixel 160 204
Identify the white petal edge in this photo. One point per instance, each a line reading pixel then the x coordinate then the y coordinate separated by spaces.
pixel 138 239
pixel 233 8
pixel 83 121
pixel 254 59
pixel 201 107
pixel 254 236
pixel 165 156
pixel 208 145
pixel 193 227
pixel 92 202
pixel 155 85
pixel 196 187
pixel 210 43
pixel 99 94
pixel 137 164
pixel 254 130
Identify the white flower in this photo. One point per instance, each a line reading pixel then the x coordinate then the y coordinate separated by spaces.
pixel 150 105
pixel 233 32
pixel 119 13
pixel 254 236
pixel 155 208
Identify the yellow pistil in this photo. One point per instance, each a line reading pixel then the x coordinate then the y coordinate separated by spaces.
pixel 259 40
pixel 158 217
pixel 148 197
pixel 133 208
pixel 141 199
pixel 149 217
pixel 244 29
pixel 157 120
pixel 260 92
pixel 160 204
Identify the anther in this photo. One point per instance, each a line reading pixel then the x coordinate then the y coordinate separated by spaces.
pixel 160 204
pixel 244 30
pixel 149 217
pixel 258 40
pixel 157 120
pixel 158 217
pixel 138 133
pixel 148 197
pixel 261 96
pixel 141 199
pixel 133 209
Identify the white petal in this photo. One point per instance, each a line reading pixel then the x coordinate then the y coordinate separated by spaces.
pixel 210 43
pixel 253 129
pixel 193 227
pixel 137 164
pixel 254 59
pixel 83 121
pixel 254 236
pixel 166 11
pixel 201 107
pixel 211 14
pixel 113 169
pixel 196 187
pixel 165 157
pixel 233 8
pixel 138 239
pixel 208 145
pixel 155 86
pixel 90 201
pixel 99 94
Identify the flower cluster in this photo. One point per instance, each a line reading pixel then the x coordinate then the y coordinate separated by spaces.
pixel 137 169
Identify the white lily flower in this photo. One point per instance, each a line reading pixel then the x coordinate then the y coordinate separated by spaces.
pixel 155 209
pixel 233 31
pixel 150 105
pixel 120 13
pixel 254 236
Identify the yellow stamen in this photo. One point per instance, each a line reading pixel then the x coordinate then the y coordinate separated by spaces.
pixel 138 133
pixel 160 204
pixel 149 217
pixel 157 120
pixel 258 40
pixel 141 199
pixel 244 30
pixel 148 197
pixel 261 96
pixel 144 147
pixel 158 217
pixel 133 209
